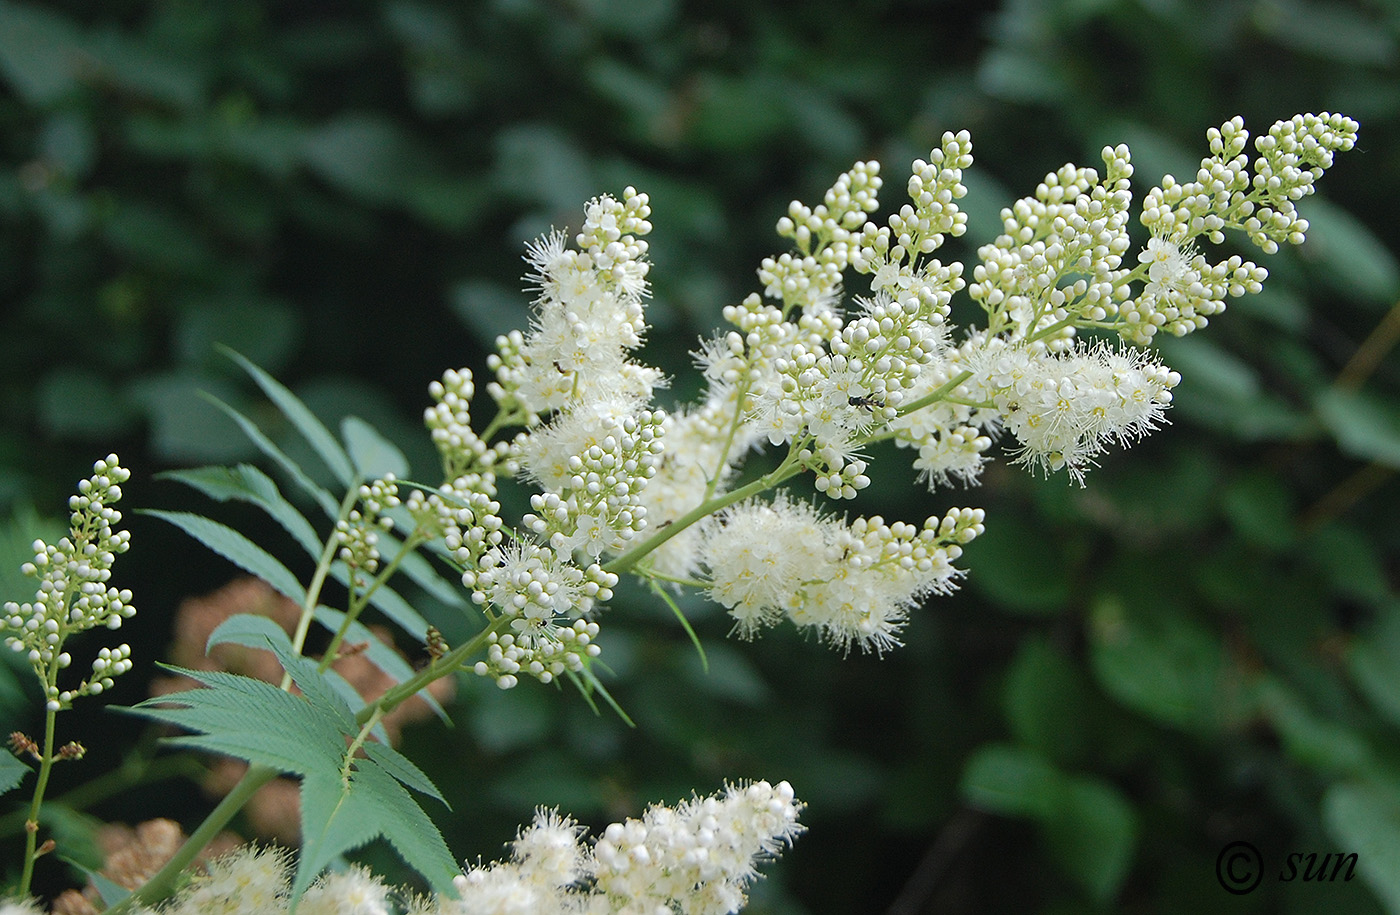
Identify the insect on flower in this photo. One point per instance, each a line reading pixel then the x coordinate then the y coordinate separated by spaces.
pixel 866 402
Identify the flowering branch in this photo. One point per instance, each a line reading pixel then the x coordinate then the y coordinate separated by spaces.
pixel 623 487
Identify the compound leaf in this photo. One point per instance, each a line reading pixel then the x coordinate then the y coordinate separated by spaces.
pixel 345 802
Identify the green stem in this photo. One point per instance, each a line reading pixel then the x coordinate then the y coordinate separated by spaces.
pixel 788 468
pixel 1053 329
pixel 936 395
pixel 501 420
pixel 734 424
pixel 358 602
pixel 31 825
pixel 163 881
pixel 318 580
pixel 440 668
pixel 353 749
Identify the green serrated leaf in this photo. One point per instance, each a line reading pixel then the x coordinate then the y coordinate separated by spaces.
pixel 249 719
pixel 403 769
pixel 250 631
pixel 306 735
pixel 300 416
pixel 265 445
pixel 246 483
pixel 316 686
pixel 237 549
pixel 337 818
pixel 374 456
pixel 249 484
pixel 12 772
pixel 382 655
pixel 352 698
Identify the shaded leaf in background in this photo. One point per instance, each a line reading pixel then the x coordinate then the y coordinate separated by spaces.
pixel 12 772
pixel 1365 818
pixel 1365 426
pixel 1169 669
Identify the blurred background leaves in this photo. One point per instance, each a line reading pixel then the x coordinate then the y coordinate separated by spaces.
pixel 1201 647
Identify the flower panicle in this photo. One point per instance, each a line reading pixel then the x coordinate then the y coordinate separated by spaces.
pixel 74 592
pixel 796 370
pixel 851 582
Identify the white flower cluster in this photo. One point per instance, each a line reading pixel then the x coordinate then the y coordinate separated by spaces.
pixel 1183 289
pixel 698 857
pixel 853 583
pixel 564 650
pixel 463 511
pixel 589 316
pixel 594 463
pixel 692 466
pixel 74 594
pixel 1063 408
pixel 951 433
pixel 811 279
pixel 1058 262
pixel 358 533
pixel 1291 158
pixel 588 441
pixel 449 421
pixel 257 881
pixel 889 252
pixel 546 596
pixel 822 384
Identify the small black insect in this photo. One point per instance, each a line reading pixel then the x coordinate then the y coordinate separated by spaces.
pixel 866 402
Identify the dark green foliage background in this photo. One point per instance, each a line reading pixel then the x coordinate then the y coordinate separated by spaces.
pixel 1201 647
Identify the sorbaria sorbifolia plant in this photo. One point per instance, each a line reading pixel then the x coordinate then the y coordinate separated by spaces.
pixel 625 488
